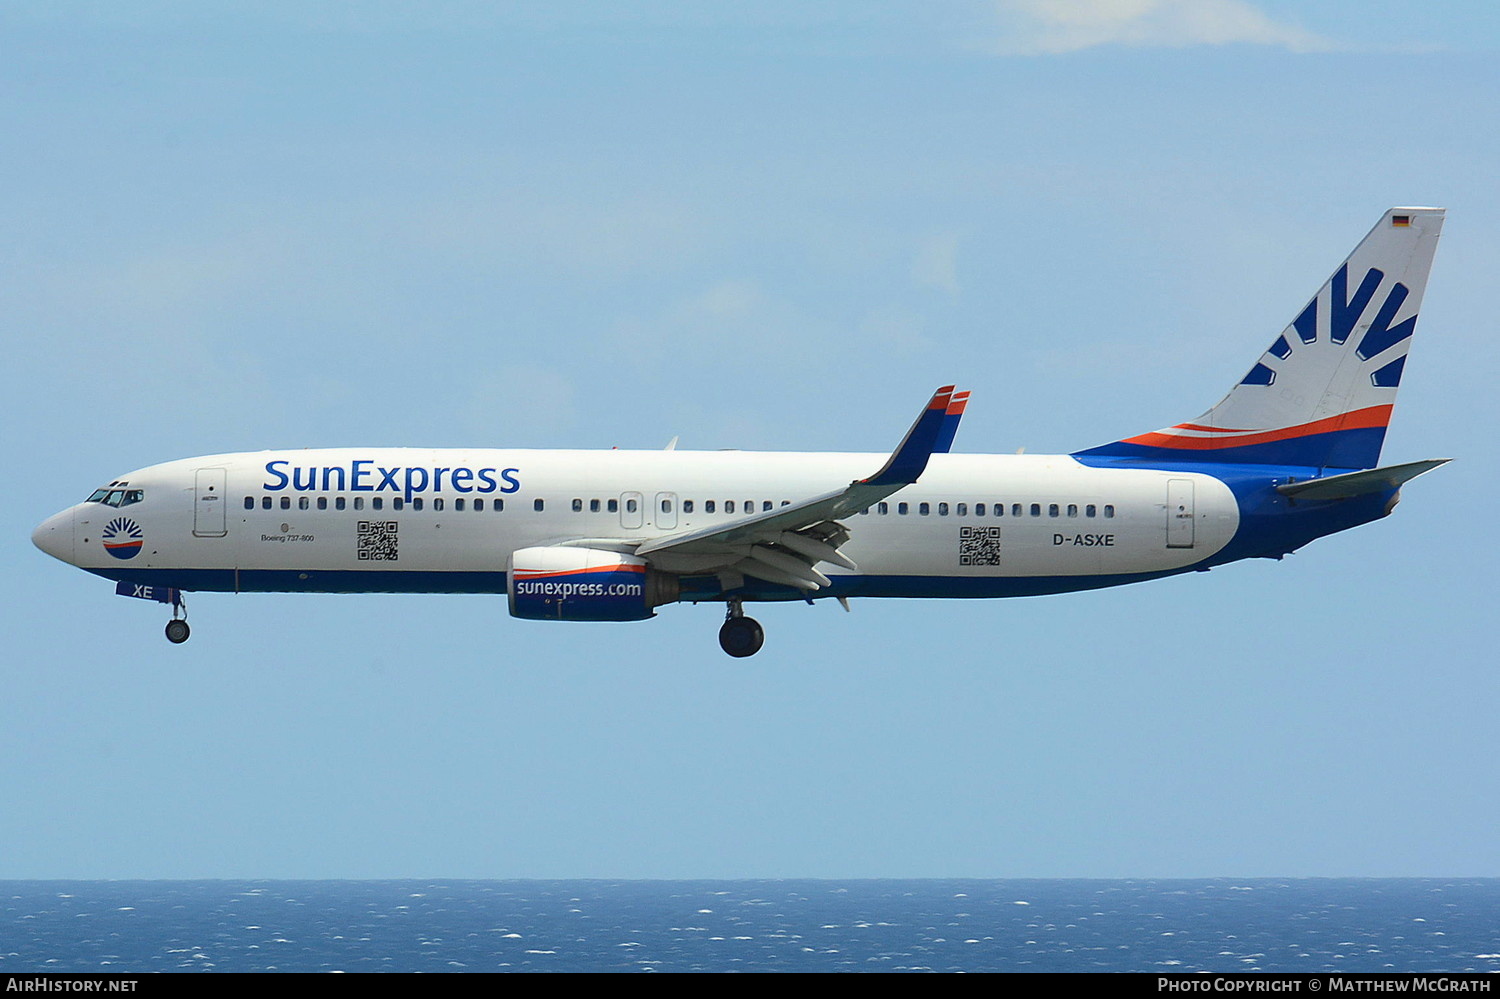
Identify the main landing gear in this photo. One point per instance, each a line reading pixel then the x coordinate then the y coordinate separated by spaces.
pixel 177 628
pixel 740 636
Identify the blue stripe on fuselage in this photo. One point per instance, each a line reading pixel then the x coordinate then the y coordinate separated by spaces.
pixel 694 588
pixel 1271 525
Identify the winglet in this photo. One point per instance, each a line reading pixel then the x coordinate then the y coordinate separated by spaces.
pixel 910 459
pixel 950 423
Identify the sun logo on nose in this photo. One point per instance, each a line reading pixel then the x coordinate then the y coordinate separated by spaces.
pixel 122 538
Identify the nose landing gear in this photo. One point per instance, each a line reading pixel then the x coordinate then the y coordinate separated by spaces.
pixel 177 628
pixel 740 636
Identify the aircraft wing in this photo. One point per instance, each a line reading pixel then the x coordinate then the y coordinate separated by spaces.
pixel 784 545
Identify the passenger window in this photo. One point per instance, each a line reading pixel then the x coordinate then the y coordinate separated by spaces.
pixel 687 506
pixel 1015 509
pixel 1091 510
pixel 766 505
pixel 538 505
pixel 593 506
pixel 377 502
pixel 963 509
pixel 1072 509
pixel 249 502
pixel 902 508
pixel 708 506
pixel 322 502
pixel 497 505
pixel 302 503
pixel 1109 510
pixel 437 503
pixel 479 505
pixel 729 506
pixel 416 504
pixel 614 506
pixel 979 509
pixel 458 504
pixel 924 509
pixel 631 506
pixel 666 506
pixel 1052 510
pixel 338 502
pixel 359 502
pixel 942 509
pixel 749 506
pixel 578 506
pixel 1036 509
pixel 883 508
pixel 397 503
pixel 286 502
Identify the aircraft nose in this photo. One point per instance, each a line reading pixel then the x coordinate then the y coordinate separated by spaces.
pixel 55 536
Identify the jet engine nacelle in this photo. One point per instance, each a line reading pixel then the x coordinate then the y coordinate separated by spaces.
pixel 585 584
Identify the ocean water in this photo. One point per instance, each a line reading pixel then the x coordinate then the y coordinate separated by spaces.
pixel 1312 925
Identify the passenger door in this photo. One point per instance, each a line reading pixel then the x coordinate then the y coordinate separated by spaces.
pixel 1179 513
pixel 209 504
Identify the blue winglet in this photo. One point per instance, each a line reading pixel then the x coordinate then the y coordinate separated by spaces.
pixel 954 413
pixel 910 458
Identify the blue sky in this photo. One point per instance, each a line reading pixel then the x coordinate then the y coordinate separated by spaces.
pixel 549 226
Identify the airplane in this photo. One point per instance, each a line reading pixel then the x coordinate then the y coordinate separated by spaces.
pixel 1291 454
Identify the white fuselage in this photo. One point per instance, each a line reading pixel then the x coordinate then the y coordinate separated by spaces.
pixel 292 520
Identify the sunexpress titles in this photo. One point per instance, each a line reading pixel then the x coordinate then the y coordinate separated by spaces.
pixel 364 475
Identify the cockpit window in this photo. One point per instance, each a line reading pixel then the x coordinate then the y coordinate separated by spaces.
pixel 117 497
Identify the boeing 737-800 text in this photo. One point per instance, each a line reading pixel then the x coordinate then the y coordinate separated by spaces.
pixel 1289 455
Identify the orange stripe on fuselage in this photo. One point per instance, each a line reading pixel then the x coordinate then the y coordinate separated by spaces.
pixel 1360 419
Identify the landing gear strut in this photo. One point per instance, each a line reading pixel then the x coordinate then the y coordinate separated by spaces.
pixel 177 628
pixel 740 636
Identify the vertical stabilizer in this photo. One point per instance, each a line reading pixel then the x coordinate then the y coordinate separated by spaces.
pixel 1322 393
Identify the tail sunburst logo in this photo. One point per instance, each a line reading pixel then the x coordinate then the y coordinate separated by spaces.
pixel 122 538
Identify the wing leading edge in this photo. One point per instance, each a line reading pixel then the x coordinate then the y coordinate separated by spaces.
pixel 785 545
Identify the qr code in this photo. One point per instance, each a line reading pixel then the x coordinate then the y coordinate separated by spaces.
pixel 377 540
pixel 979 546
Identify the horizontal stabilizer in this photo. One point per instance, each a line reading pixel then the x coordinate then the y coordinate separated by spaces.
pixel 1374 480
